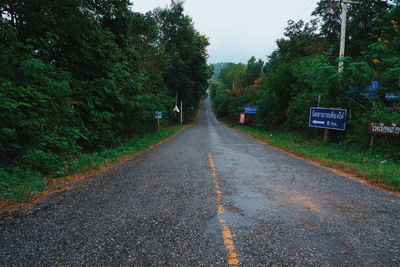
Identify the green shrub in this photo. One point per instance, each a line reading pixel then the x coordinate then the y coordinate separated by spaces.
pixel 20 184
pixel 45 162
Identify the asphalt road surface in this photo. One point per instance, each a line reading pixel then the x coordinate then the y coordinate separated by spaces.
pixel 208 197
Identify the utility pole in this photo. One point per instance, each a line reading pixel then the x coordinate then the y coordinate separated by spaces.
pixel 343 35
pixel 344 4
pixel 181 112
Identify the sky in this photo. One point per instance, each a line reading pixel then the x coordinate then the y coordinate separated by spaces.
pixel 237 29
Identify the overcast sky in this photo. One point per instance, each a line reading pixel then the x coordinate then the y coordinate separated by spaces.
pixel 237 29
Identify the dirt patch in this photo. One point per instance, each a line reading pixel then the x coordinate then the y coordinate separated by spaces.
pixel 300 199
pixel 294 144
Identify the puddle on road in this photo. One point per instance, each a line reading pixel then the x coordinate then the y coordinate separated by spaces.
pixel 271 202
pixel 247 201
pixel 257 194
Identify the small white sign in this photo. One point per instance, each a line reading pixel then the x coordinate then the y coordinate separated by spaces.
pixel 176 109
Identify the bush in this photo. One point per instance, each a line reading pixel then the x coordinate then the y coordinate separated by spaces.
pixel 20 184
pixel 45 162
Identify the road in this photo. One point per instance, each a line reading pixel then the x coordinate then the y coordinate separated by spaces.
pixel 210 196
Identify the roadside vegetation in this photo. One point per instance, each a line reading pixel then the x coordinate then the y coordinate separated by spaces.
pixel 377 167
pixel 303 72
pixel 23 183
pixel 80 82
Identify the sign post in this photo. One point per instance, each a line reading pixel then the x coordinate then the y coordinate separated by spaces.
pixel 242 118
pixel 250 110
pixel 181 112
pixel 158 116
pixel 392 96
pixel 382 128
pixel 328 119
pixel 371 90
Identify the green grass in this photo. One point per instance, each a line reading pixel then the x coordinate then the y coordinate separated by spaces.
pixel 370 165
pixel 92 161
pixel 19 184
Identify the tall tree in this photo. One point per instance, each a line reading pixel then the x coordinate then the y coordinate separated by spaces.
pixel 301 39
pixel 254 70
pixel 232 76
pixel 360 23
pixel 80 75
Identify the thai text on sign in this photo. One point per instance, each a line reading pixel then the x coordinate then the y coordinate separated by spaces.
pixel 387 128
pixel 328 118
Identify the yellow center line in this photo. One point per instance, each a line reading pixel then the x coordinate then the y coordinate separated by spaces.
pixel 225 231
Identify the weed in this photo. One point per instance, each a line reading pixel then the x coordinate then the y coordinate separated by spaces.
pixel 19 184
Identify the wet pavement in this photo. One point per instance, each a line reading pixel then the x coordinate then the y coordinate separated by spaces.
pixel 255 206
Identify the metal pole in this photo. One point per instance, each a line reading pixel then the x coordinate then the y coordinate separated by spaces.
pixel 158 124
pixel 371 142
pixel 326 131
pixel 350 113
pixel 343 36
pixel 326 135
pixel 318 105
pixel 181 112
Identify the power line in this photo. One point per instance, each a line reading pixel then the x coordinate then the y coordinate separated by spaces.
pixel 306 9
pixel 269 50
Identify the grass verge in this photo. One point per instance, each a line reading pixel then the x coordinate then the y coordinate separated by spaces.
pixel 19 185
pixel 373 167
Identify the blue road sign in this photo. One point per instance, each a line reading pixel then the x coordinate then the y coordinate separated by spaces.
pixel 250 110
pixel 367 90
pixel 371 90
pixel 392 96
pixel 158 115
pixel 328 118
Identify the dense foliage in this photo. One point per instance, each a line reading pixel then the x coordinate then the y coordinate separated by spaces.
pixel 83 75
pixel 304 68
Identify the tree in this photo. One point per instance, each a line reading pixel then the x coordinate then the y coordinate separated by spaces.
pixel 188 71
pixel 232 76
pixel 254 71
pixel 360 23
pixel 81 75
pixel 301 40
